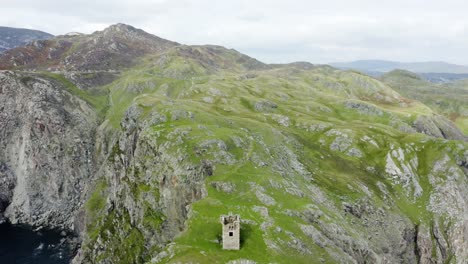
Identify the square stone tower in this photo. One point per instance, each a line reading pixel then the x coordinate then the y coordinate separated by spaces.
pixel 231 231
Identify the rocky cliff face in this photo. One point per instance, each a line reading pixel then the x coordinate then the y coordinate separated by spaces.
pixel 47 138
pixel 148 191
pixel 438 126
pixel 322 165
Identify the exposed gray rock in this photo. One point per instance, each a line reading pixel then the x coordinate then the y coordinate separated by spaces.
pixel 343 142
pixel 449 183
pixel 247 76
pixel 370 140
pixel 215 92
pixel 154 119
pixel 265 106
pixel 261 195
pixel 160 188
pixel 86 80
pixel 213 142
pixel 217 149
pixel 286 163
pixel 298 244
pixel 355 152
pixel 181 114
pixel 208 99
pixel 168 253
pixel 295 191
pixel 263 211
pixel 47 136
pixel 130 121
pixel 405 172
pixel 7 185
pixel 315 235
pixel 364 108
pixel 319 127
pixel 438 126
pixel 281 120
pixel 354 210
pixel 241 261
pixel 424 246
pixel 265 198
pixel 227 187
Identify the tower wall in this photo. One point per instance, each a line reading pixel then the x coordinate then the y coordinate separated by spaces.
pixel 231 232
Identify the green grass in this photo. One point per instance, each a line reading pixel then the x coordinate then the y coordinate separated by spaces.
pixel 204 226
pixel 96 97
pixel 448 99
pixel 258 154
pixel 462 123
pixel 94 208
pixel 124 242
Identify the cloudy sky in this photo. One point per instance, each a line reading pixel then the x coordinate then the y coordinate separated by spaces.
pixel 271 30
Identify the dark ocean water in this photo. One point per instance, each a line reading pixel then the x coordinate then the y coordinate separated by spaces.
pixel 21 245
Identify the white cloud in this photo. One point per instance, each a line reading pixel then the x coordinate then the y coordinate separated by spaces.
pixel 272 31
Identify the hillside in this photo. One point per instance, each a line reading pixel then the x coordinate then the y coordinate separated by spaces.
pixel 448 99
pixel 114 48
pixel 14 37
pixel 140 150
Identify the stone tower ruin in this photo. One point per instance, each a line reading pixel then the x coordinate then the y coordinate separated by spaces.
pixel 231 231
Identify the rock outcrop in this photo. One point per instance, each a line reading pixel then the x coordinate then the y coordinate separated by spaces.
pixel 438 126
pixel 47 151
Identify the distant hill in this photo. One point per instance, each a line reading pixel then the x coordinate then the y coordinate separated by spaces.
pixel 14 37
pixel 446 98
pixel 443 77
pixel 116 47
pixel 387 66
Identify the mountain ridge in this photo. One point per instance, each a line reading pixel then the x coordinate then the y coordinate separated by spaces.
pixel 63 46
pixel 118 44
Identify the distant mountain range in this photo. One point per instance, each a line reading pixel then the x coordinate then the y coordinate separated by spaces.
pixel 14 37
pixel 418 67
pixel 433 71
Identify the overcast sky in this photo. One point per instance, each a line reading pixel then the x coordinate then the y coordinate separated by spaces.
pixel 271 30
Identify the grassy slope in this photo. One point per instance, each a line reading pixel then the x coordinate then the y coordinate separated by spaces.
pixel 449 99
pixel 223 104
pixel 96 98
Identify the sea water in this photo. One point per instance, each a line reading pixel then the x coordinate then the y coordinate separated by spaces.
pixel 22 245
